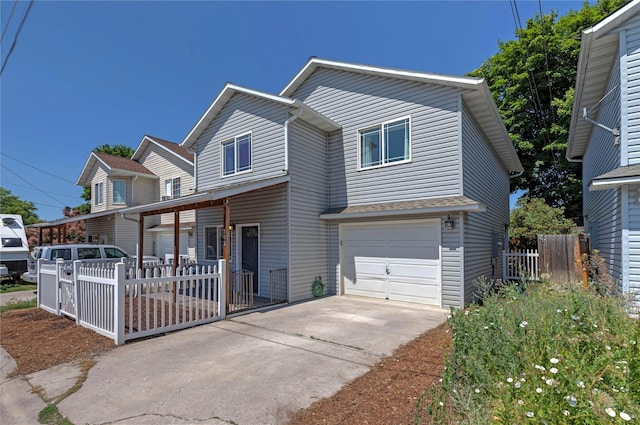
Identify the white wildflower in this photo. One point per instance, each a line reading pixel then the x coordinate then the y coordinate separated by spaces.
pixel 441 404
pixel 573 402
pixel 625 416
pixel 550 381
pixel 554 360
pixel 517 385
pixel 486 327
pixel 477 390
pixel 509 380
pixel 523 324
pixel 530 414
pixel 539 390
pixel 520 402
pixel 540 367
pixel 575 317
pixel 553 370
pixel 607 347
pixel 580 384
pixel 558 310
pixel 565 412
pixel 610 412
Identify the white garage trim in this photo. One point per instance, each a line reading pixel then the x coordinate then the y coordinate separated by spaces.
pixel 416 279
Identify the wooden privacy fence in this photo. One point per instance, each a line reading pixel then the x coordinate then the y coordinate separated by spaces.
pixel 124 303
pixel 561 256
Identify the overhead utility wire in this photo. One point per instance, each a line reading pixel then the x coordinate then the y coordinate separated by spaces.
pixel 38 169
pixel 15 3
pixel 32 185
pixel 15 39
pixel 546 62
pixel 6 183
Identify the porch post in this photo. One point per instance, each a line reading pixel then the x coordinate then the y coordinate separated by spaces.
pixel 176 240
pixel 225 250
pixel 140 241
pixel 40 236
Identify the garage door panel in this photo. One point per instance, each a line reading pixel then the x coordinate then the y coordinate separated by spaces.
pixel 398 261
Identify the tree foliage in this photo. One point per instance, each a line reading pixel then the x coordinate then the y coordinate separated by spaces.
pixel 532 80
pixel 532 217
pixel 12 204
pixel 119 150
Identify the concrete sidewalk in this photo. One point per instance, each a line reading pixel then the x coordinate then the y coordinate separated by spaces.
pixel 6 298
pixel 258 368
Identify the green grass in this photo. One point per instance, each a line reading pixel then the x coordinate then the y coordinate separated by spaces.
pixel 8 285
pixel 19 305
pixel 555 354
pixel 50 415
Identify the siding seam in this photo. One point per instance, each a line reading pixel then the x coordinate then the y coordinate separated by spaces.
pixel 624 99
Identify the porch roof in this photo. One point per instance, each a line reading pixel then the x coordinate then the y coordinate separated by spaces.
pixel 66 220
pixel 204 199
pixel 418 206
pixel 628 174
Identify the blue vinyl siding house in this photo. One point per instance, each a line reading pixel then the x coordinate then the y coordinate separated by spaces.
pixel 605 137
pixel 385 183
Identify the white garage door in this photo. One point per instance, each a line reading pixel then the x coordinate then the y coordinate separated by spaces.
pixel 397 261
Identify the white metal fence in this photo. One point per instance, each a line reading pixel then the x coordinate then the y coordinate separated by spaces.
pixel 123 303
pixel 518 265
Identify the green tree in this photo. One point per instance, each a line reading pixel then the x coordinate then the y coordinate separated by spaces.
pixel 119 150
pixel 12 204
pixel 532 80
pixel 532 217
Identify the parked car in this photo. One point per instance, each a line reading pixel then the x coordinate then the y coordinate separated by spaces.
pixel 14 251
pixel 71 253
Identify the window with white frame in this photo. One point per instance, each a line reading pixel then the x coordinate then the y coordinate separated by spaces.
pixel 172 187
pixel 119 192
pixel 236 155
pixel 384 144
pixel 214 242
pixel 98 196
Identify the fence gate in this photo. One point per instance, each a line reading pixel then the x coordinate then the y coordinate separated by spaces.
pixel 561 256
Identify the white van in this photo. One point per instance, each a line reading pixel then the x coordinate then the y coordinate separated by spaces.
pixel 71 252
pixel 14 250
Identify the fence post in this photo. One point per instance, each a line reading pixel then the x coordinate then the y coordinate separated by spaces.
pixel 59 263
pixel 118 302
pixel 222 289
pixel 38 283
pixel 505 260
pixel 76 289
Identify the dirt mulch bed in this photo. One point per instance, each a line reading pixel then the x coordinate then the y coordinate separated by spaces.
pixel 38 340
pixel 389 392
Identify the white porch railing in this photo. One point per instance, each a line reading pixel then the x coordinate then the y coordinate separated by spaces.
pixel 123 303
pixel 520 265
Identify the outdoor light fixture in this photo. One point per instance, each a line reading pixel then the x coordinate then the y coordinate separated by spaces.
pixel 448 223
pixel 232 227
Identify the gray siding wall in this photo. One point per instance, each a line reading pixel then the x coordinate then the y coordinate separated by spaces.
pixel 103 227
pixel 308 198
pixel 484 180
pixel 144 191
pixel 632 63
pixel 266 208
pixel 602 208
pixel 241 114
pixel 634 243
pixel 357 101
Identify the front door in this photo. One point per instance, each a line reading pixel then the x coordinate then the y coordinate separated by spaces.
pixel 250 245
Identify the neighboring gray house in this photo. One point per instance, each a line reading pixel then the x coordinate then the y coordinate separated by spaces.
pixel 605 137
pixel 383 182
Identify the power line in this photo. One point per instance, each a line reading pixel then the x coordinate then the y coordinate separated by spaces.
pixel 6 183
pixel 37 169
pixel 546 62
pixel 32 185
pixel 15 39
pixel 15 3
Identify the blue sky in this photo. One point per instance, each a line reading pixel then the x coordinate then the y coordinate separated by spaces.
pixel 83 74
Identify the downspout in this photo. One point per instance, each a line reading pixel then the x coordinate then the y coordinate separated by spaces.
pixel 518 174
pixel 286 138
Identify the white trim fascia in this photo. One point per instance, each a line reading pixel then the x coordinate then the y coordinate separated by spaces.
pixel 613 183
pixel 150 140
pixel 624 99
pixel 289 273
pixel 92 157
pixel 460 150
pixel 625 249
pixel 443 79
pixel 616 18
pixel 170 230
pixel 391 213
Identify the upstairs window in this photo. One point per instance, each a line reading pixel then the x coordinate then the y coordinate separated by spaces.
pixel 385 144
pixel 98 196
pixel 236 155
pixel 172 188
pixel 119 192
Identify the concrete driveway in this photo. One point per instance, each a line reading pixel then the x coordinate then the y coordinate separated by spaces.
pixel 258 368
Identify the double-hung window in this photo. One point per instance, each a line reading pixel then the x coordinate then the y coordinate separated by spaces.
pixel 236 155
pixel 119 192
pixel 384 144
pixel 98 196
pixel 172 187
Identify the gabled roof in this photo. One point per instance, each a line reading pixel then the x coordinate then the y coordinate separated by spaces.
pixel 598 50
pixel 115 166
pixel 475 93
pixel 173 148
pixel 308 114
